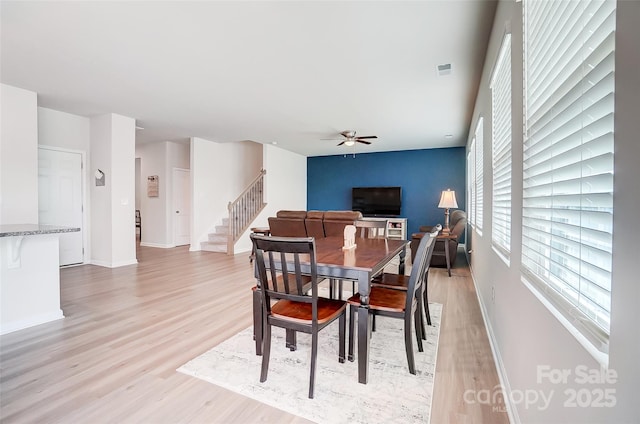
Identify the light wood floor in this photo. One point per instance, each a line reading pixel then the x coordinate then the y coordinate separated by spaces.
pixel 114 357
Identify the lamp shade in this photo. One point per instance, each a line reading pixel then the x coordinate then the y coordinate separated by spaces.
pixel 448 199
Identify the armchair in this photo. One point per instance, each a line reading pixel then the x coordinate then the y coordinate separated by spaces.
pixel 458 223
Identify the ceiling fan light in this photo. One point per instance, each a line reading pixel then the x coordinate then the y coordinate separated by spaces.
pixel 349 143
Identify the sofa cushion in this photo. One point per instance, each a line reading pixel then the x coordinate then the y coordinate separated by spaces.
pixel 342 215
pixel 315 214
pixel 287 227
pixel 314 224
pixel 335 221
pixel 292 214
pixel 317 224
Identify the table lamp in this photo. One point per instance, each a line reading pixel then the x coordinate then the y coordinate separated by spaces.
pixel 447 200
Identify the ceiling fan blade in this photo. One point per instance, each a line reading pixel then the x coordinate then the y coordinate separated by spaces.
pixel 367 136
pixel 362 141
pixel 340 144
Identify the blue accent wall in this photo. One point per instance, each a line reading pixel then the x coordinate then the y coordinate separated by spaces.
pixel 422 174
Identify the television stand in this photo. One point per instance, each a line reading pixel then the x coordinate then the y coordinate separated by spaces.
pixel 396 227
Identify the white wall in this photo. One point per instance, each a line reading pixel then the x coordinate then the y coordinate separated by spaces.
pixel 625 290
pixel 64 130
pixel 112 205
pixel 219 173
pixel 100 141
pixel 18 156
pixel 153 209
pixel 156 212
pixel 524 333
pixel 285 187
pixel 73 133
pixel 123 140
pixel 29 292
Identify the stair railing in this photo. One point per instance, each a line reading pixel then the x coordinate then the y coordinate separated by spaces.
pixel 244 210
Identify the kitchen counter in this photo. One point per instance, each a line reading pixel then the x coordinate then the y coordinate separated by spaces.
pixel 29 275
pixel 33 229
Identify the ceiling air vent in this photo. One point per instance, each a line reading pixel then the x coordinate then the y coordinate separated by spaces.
pixel 444 69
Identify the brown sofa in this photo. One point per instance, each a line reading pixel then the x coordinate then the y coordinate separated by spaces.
pixel 457 223
pixel 311 223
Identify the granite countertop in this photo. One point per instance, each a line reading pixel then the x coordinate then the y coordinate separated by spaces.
pixel 33 229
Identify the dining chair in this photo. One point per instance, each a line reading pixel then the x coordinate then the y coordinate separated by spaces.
pixel 401 282
pixel 139 222
pixel 258 324
pixel 285 302
pixel 399 304
pixel 371 229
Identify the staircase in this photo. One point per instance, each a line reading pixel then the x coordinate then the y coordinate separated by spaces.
pixel 242 212
pixel 217 242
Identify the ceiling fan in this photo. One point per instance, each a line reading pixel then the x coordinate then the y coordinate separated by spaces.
pixel 351 139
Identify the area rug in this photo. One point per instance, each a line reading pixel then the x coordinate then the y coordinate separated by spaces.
pixel 392 395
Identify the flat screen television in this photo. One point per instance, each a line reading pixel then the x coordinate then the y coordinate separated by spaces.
pixel 377 201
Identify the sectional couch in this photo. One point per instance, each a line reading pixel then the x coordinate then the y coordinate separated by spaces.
pixel 316 224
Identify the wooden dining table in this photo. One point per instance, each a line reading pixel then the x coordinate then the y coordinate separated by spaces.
pixel 360 264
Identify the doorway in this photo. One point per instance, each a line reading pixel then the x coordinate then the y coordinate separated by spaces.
pixel 181 194
pixel 60 200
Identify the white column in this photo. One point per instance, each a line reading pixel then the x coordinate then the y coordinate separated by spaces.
pixel 18 156
pixel 113 240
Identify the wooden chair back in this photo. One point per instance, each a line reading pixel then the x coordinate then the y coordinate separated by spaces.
pixel 371 229
pixel 294 310
pixel 419 270
pixel 139 222
pixel 286 283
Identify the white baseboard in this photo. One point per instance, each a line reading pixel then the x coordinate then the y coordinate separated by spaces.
pixel 114 264
pixel 37 320
pixel 158 245
pixel 512 411
pixel 124 263
pixel 242 252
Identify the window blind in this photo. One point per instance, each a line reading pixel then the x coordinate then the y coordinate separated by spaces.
pixel 479 173
pixel 568 156
pixel 472 181
pixel 501 150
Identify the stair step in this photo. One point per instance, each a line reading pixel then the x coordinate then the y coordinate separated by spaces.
pixel 222 229
pixel 217 238
pixel 213 247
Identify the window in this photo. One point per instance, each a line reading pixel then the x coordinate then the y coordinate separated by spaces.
pixel 478 176
pixel 568 159
pixel 501 150
pixel 471 165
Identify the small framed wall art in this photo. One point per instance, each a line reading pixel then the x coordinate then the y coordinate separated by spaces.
pixel 152 186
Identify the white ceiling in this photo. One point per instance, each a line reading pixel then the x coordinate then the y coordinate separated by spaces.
pixel 290 73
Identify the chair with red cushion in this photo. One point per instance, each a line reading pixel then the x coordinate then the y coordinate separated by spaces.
pixel 398 304
pixel 401 282
pixel 286 303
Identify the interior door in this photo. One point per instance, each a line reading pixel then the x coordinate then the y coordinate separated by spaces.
pixel 60 199
pixel 181 206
